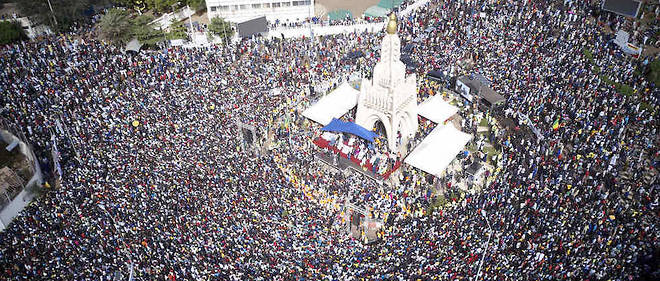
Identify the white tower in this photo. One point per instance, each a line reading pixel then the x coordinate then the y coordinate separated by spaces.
pixel 390 96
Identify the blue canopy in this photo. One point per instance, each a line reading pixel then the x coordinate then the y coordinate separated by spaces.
pixel 337 125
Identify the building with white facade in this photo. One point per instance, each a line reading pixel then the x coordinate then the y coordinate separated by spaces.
pixel 390 96
pixel 242 10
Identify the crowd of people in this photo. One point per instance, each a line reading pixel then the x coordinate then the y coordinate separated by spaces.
pixel 157 181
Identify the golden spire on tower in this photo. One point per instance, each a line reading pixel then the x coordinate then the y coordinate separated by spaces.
pixel 392 25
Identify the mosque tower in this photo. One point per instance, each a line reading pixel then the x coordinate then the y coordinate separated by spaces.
pixel 390 96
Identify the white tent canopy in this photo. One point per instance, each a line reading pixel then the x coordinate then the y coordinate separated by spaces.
pixel 134 45
pixel 333 105
pixel 438 149
pixel 436 109
pixel 177 42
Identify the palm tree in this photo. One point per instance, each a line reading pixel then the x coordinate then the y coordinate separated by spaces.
pixel 115 26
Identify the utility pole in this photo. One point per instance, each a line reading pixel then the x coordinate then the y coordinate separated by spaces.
pixel 483 255
pixel 224 30
pixel 52 13
pixel 192 31
pixel 311 32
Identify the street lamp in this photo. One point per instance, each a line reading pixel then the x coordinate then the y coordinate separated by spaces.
pixel 490 234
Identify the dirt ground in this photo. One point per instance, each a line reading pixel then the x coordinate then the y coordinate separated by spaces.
pixel 356 7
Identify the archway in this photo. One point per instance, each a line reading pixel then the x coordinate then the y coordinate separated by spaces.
pixel 405 132
pixel 379 128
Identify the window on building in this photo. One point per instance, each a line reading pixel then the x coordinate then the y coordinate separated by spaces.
pixel 243 7
pixel 276 5
pixel 256 6
pixel 213 9
pixel 286 4
pixel 266 5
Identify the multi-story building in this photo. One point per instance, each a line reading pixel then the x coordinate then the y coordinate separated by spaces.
pixel 285 11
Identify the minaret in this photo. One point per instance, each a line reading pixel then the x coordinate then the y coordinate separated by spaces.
pixel 390 96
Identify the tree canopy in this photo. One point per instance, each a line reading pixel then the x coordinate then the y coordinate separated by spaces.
pixel 115 26
pixel 161 6
pixel 144 31
pixel 119 26
pixel 10 32
pixel 654 72
pixel 177 31
pixel 65 12
pixel 221 28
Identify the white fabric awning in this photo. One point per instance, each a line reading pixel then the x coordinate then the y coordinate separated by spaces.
pixel 438 149
pixel 177 42
pixel 134 45
pixel 436 109
pixel 333 105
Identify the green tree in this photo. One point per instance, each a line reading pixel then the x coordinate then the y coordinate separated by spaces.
pixel 115 26
pixel 177 31
pixel 221 28
pixel 11 32
pixel 197 5
pixel 156 6
pixel 64 14
pixel 163 6
pixel 145 31
pixel 653 74
pixel 138 5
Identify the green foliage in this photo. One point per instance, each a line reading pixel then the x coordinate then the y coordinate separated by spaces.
pixel 11 32
pixel 442 200
pixel 625 89
pixel 138 5
pixel 115 26
pixel 606 80
pixel 589 55
pixel 177 31
pixel 161 6
pixel 37 11
pixel 647 107
pixel 437 204
pixel 596 69
pixel 620 87
pixel 120 26
pixel 157 6
pixel 66 12
pixel 219 27
pixel 197 5
pixel 144 31
pixel 654 72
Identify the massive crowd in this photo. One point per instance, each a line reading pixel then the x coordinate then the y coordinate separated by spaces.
pixel 177 196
